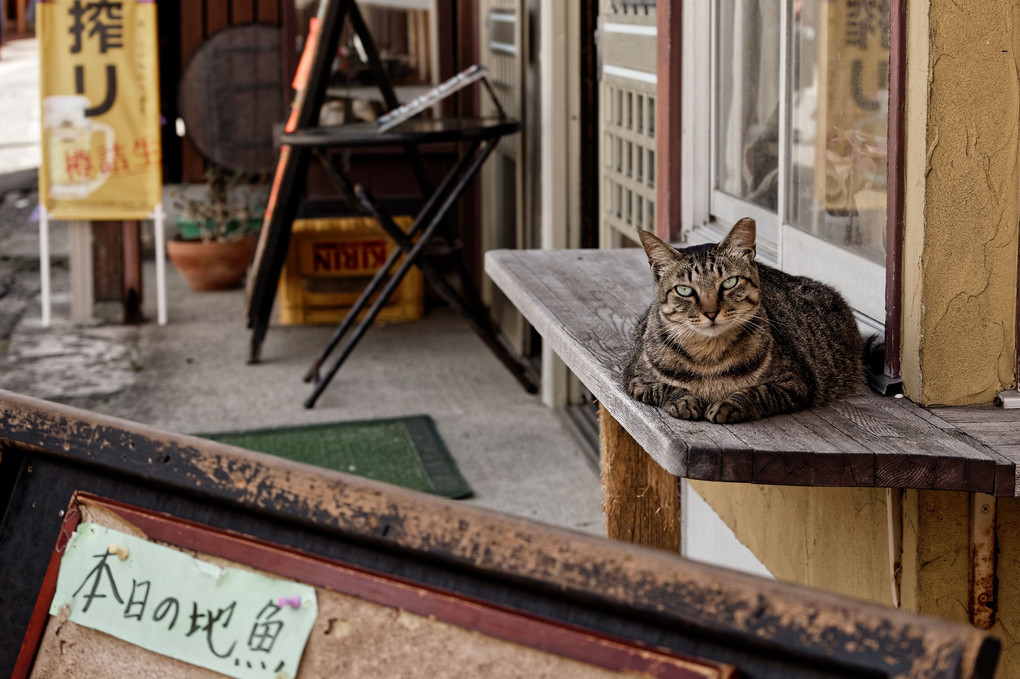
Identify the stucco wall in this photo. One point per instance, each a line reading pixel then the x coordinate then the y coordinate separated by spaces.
pixel 835 539
pixel 961 221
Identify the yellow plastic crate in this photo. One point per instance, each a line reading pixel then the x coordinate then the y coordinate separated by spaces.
pixel 330 261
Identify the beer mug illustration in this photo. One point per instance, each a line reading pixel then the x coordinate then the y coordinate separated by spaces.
pixel 75 166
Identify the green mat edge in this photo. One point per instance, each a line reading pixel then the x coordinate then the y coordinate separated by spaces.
pixel 434 458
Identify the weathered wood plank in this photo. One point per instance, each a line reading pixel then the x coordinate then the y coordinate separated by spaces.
pixel 749 619
pixel 585 304
pixel 992 429
pixel 993 433
pixel 217 17
pixel 192 35
pixel 911 448
pixel 979 414
pixel 269 12
pixel 634 487
pixel 242 11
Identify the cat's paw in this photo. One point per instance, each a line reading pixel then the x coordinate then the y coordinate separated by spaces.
pixel 685 407
pixel 729 411
pixel 652 393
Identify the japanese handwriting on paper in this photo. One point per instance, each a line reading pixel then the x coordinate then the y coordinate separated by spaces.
pixel 211 624
pixel 164 609
pixel 265 630
pixel 135 607
pixel 206 621
pixel 96 576
pixel 231 621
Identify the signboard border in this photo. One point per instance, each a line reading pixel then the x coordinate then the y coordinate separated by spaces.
pixel 496 621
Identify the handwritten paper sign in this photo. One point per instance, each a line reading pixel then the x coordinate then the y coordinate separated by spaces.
pixel 229 620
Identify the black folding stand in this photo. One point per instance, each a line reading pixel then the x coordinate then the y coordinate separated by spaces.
pixel 303 140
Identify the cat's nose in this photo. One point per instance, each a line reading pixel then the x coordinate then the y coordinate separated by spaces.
pixel 711 314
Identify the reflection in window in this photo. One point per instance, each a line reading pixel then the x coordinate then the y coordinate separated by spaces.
pixel 839 122
pixel 747 101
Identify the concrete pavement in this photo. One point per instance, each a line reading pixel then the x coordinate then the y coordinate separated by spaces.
pixel 19 123
pixel 191 376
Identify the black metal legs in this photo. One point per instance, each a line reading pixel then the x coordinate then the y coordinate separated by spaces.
pixel 411 246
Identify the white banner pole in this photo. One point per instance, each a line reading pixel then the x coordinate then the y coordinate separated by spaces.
pixel 159 218
pixel 44 264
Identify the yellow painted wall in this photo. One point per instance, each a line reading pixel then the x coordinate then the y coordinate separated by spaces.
pixel 831 538
pixel 936 554
pixel 962 201
pixel 1007 573
pixel 837 539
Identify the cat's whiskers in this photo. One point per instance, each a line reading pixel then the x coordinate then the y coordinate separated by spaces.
pixel 761 321
pixel 681 333
pixel 702 346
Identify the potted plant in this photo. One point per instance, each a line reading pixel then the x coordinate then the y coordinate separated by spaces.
pixel 217 231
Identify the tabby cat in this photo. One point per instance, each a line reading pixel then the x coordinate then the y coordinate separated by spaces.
pixel 730 340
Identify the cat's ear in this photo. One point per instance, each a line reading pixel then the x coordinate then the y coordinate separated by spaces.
pixel 660 253
pixel 740 239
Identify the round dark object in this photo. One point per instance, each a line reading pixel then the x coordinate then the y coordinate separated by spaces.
pixel 231 95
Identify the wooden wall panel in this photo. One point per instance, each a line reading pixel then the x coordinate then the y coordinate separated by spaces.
pixel 268 11
pixel 192 34
pixel 217 17
pixel 192 29
pixel 242 11
pixel 199 20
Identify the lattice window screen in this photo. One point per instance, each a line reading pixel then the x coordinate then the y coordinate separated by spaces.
pixel 503 59
pixel 627 125
pixel 628 157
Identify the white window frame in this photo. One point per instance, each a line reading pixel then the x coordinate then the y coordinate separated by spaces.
pixel 707 214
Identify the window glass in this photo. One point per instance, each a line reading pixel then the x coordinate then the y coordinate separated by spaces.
pixel 746 125
pixel 839 107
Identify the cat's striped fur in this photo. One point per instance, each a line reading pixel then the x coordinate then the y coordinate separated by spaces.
pixel 732 350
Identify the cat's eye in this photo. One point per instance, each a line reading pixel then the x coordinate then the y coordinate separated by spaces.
pixel 684 290
pixel 729 283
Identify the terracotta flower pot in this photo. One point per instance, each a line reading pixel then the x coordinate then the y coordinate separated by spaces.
pixel 211 265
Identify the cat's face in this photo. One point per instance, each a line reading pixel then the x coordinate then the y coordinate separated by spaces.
pixel 707 290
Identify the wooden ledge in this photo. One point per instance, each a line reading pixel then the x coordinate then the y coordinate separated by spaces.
pixel 585 303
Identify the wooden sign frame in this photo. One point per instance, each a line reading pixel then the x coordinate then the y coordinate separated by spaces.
pixel 400 594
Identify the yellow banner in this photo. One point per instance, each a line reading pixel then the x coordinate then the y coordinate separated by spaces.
pixel 101 155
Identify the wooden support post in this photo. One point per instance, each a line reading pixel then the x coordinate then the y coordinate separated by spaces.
pixel 635 487
pixel 132 284
pixel 117 271
pixel 80 243
pixel 21 15
pixel 107 271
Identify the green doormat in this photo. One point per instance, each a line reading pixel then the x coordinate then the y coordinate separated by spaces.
pixel 405 451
